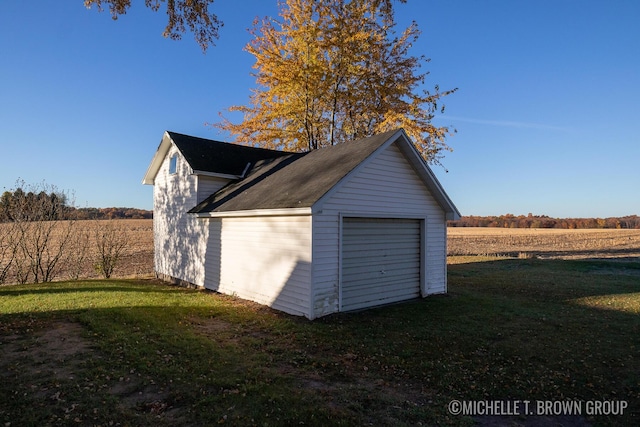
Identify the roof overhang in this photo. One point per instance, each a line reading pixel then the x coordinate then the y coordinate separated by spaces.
pixel 257 212
pixel 161 153
pixel 157 160
pixel 428 177
pixel 217 175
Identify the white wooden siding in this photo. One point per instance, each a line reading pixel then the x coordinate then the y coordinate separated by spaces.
pixel 386 186
pixel 179 238
pixel 262 259
pixel 207 185
pixel 213 255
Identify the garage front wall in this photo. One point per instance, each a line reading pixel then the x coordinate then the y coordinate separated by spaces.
pixel 384 187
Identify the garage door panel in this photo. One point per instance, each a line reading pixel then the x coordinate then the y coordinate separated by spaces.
pixel 398 235
pixel 352 250
pixel 391 243
pixel 364 272
pixel 380 261
pixel 391 237
pixel 373 303
pixel 390 287
pixel 383 286
pixel 372 278
pixel 380 258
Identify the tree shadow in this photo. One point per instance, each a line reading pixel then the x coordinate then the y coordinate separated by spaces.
pixel 548 279
pixel 631 253
pixel 57 288
pixel 487 340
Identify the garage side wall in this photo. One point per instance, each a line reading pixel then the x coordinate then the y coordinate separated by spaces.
pixel 266 259
pixel 180 238
pixel 389 187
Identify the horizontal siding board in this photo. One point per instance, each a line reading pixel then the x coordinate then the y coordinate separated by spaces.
pixel 207 185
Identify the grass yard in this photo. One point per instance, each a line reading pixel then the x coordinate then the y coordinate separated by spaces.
pixel 136 352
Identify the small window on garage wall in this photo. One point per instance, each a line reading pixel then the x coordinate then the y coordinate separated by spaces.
pixel 173 164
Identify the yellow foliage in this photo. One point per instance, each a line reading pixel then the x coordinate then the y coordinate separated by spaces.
pixel 332 71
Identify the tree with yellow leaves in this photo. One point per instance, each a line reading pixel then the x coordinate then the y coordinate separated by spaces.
pixel 332 71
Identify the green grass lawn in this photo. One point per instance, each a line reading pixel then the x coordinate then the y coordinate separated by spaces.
pixel 126 352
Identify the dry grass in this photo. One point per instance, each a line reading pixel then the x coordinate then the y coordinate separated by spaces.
pixel 543 243
pixel 80 262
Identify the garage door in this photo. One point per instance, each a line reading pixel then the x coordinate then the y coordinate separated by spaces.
pixel 380 261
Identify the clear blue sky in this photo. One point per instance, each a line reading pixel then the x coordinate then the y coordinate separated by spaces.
pixel 547 111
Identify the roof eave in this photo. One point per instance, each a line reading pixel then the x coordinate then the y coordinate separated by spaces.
pixel 156 162
pixel 257 212
pixel 216 175
pixel 429 178
pixel 452 216
pixel 424 171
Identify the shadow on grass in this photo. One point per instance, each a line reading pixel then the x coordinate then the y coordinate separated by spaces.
pixel 508 330
pixel 631 253
pixel 95 286
pixel 547 280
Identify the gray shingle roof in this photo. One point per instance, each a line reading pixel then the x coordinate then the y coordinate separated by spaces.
pixel 219 157
pixel 292 180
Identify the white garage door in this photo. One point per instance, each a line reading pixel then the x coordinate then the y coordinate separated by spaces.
pixel 380 261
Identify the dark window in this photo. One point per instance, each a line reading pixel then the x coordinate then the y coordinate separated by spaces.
pixel 173 164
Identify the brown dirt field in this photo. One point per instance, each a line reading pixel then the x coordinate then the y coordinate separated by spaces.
pixel 543 243
pixel 138 258
pixel 136 261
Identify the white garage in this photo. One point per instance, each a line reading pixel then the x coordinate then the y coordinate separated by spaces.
pixel 342 228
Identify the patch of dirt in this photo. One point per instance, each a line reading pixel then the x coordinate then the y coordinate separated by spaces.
pixel 47 363
pixel 57 351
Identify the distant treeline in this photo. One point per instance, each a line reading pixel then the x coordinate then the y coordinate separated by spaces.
pixel 543 221
pixel 112 213
pixel 20 205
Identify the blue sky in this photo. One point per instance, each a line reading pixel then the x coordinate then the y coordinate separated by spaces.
pixel 547 110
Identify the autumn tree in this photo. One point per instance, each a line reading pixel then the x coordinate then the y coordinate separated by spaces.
pixel 331 71
pixel 193 14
